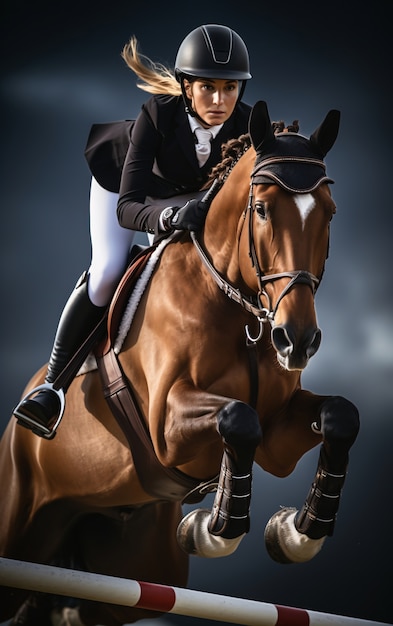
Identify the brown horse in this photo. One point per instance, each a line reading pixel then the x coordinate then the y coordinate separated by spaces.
pixel 217 392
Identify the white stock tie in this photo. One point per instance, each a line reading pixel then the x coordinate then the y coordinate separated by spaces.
pixel 203 146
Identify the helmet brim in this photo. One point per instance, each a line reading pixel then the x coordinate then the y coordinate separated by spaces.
pixel 203 73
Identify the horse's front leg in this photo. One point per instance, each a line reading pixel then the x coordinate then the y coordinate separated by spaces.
pixel 218 532
pixel 296 536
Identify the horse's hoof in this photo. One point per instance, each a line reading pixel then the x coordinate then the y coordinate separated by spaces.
pixel 66 617
pixel 284 543
pixel 194 538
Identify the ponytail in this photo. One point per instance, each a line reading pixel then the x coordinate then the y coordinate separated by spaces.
pixel 155 77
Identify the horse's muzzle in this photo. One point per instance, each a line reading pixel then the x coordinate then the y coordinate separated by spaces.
pixel 294 352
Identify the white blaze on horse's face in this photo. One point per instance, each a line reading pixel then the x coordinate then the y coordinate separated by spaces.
pixel 305 202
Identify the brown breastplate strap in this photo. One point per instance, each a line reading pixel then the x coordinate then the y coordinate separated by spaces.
pixel 156 479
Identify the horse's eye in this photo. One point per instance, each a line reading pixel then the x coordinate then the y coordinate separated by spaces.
pixel 260 209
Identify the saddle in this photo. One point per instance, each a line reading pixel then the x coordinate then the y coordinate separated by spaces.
pixel 156 479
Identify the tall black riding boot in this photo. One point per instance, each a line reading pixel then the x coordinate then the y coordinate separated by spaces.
pixel 39 411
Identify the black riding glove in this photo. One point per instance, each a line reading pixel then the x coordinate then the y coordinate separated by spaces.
pixel 191 216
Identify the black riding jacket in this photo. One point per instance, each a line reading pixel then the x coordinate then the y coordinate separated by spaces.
pixel 160 162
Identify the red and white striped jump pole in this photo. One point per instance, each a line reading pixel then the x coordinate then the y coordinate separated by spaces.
pixel 75 584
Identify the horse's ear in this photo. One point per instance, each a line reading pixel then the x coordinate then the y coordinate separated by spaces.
pixel 260 126
pixel 325 135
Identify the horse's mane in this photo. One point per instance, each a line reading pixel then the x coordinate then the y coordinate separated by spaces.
pixel 232 150
pixel 279 127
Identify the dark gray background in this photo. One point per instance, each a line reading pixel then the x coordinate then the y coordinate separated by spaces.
pixel 61 72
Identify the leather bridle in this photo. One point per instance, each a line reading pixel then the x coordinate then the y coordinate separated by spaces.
pixel 254 304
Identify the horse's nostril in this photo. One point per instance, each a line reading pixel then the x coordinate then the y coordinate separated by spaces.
pixel 287 345
pixel 314 344
pixel 281 340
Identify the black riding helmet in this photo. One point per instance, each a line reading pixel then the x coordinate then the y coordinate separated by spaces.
pixel 212 51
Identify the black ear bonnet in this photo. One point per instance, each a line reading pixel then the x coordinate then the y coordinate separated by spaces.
pixel 301 172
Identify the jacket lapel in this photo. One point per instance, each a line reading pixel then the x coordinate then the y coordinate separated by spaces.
pixel 186 142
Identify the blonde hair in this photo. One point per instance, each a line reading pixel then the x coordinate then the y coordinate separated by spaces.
pixel 155 77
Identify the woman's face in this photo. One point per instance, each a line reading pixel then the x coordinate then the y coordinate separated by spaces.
pixel 213 99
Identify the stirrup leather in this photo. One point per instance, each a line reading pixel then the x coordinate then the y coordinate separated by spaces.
pixel 29 422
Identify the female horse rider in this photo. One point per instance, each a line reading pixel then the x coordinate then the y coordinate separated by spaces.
pixel 165 162
pixel 165 165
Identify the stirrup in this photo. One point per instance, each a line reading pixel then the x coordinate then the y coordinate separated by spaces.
pixel 38 428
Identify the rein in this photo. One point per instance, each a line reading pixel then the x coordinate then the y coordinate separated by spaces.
pixel 262 314
pixel 232 292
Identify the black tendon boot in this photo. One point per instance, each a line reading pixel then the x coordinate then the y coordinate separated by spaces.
pixel 42 408
pixel 317 517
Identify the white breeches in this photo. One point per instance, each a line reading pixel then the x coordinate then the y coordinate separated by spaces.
pixel 110 242
pixel 110 245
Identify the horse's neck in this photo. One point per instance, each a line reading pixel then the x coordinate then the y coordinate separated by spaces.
pixel 226 218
